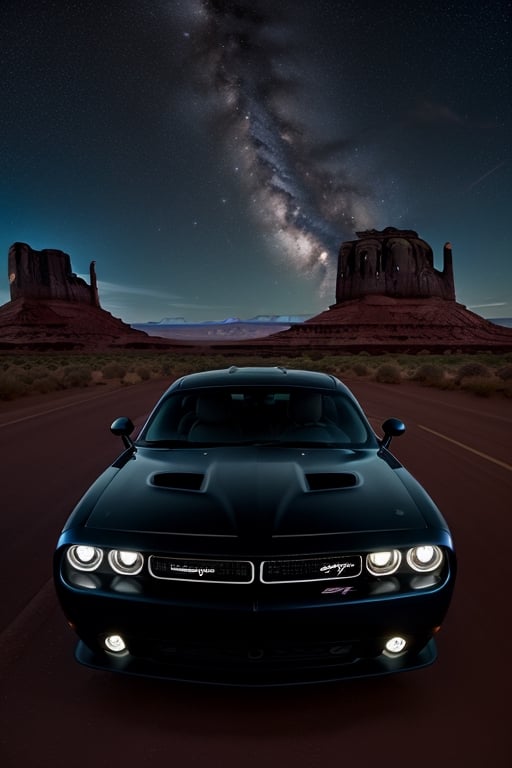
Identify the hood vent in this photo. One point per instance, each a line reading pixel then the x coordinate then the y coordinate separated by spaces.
pixel 330 481
pixel 180 481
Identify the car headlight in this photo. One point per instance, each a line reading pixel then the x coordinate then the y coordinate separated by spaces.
pixel 84 558
pixel 425 558
pixel 383 563
pixel 125 562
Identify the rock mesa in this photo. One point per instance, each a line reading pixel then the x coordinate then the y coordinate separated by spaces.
pixel 51 307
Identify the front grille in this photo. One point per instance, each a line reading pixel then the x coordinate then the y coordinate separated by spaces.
pixel 213 571
pixel 311 569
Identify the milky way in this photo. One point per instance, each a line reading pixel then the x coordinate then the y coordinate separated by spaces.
pixel 244 61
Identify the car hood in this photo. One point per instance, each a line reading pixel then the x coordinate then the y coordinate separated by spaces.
pixel 255 493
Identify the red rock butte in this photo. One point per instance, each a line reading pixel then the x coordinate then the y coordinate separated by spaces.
pixel 51 307
pixel 47 275
pixel 390 297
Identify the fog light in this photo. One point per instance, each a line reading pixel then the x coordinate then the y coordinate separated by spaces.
pixel 395 644
pixel 115 644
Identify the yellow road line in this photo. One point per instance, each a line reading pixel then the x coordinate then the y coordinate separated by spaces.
pixel 468 448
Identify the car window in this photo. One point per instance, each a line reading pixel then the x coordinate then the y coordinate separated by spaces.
pixel 256 415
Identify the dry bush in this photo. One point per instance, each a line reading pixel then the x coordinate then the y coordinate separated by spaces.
pixel 483 386
pixel 430 375
pixel 75 376
pixel 143 373
pixel 130 378
pixel 12 386
pixel 505 373
pixel 45 384
pixel 114 371
pixel 360 369
pixel 471 370
pixel 166 368
pixel 388 373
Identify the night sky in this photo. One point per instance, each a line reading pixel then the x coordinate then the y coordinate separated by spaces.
pixel 212 156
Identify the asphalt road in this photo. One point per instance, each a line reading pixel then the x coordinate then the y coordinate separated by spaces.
pixel 456 712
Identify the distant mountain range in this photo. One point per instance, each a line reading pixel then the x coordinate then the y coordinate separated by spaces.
pixel 233 328
pixel 287 319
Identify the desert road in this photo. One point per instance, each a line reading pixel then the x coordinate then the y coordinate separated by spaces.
pixel 456 712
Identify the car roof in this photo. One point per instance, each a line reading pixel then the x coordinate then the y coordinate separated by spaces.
pixel 258 376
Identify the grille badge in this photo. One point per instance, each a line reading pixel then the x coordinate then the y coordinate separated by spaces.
pixel 204 570
pixel 310 569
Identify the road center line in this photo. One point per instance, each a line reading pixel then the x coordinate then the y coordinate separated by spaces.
pixel 59 408
pixel 468 448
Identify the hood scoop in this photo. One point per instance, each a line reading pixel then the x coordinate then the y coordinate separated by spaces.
pixel 330 481
pixel 178 481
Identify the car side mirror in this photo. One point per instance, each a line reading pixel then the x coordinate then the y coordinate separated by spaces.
pixel 392 428
pixel 123 427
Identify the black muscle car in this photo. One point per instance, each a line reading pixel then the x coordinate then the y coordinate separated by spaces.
pixel 256 532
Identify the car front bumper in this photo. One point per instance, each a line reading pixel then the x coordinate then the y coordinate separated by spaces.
pixel 256 645
pixel 257 666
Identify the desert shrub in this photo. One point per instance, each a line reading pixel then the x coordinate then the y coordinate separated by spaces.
pixel 505 373
pixel 11 387
pixel 315 354
pixel 25 377
pixel 23 374
pixel 130 378
pixel 470 370
pixel 75 376
pixel 114 371
pixel 360 369
pixel 166 368
pixel 483 386
pixel 38 372
pixel 143 373
pixel 45 384
pixel 388 373
pixel 429 374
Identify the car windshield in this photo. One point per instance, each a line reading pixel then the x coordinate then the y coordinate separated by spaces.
pixel 257 416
